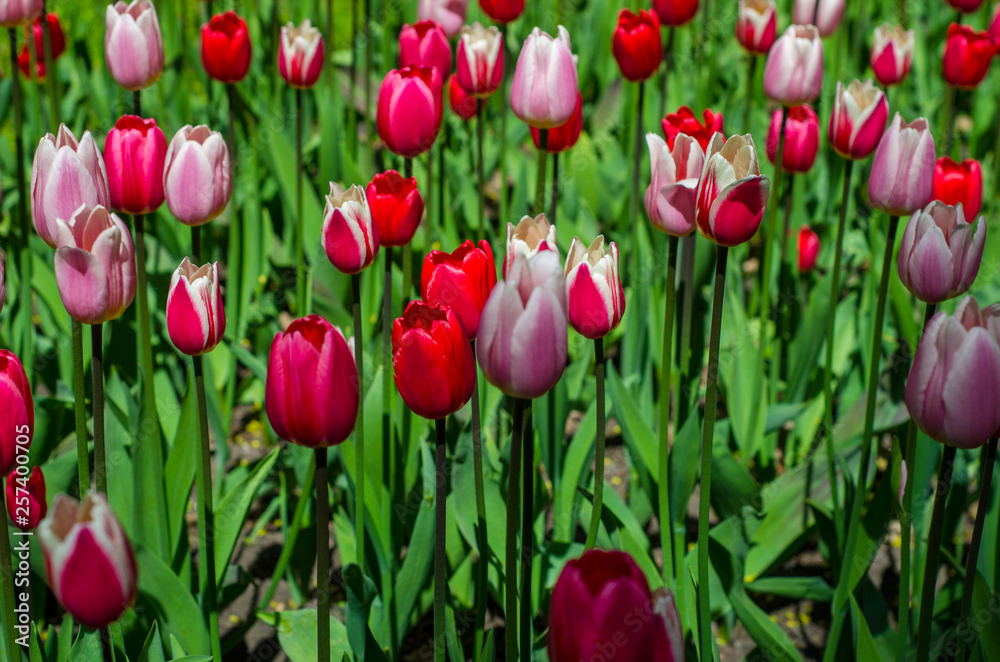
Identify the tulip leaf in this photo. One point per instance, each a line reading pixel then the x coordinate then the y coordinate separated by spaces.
pixel 35 651
pixel 874 528
pixel 576 467
pixel 182 464
pixel 864 645
pixel 489 647
pixel 684 465
pixel 87 647
pixel 638 436
pixel 795 588
pixel 152 650
pixel 281 149
pixel 161 591
pixel 297 634
pixel 360 593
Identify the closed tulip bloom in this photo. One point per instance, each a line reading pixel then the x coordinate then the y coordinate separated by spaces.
pixel 133 46
pixel 225 47
pixel 350 237
pixel 89 560
pixel 670 196
pixel 461 280
pixel 801 138
pixel 636 44
pixel 461 102
pixel 479 62
pixel 808 249
pixel 967 56
pixel 529 237
pixel 543 93
pixel 954 383
pixel 959 183
pixel 409 110
pixel 892 53
pixel 756 25
pixel 57 45
pixel 674 13
pixel 793 74
pixel 135 153
pixel 858 119
pixel 522 333
pixel 18 420
pixel 940 253
pixel 594 292
pixel 424 44
pixel 684 121
pixel 26 499
pixel 18 12
pixel 196 315
pixel 396 207
pixel 197 178
pixel 732 194
pixel 965 6
pixel 824 14
pixel 300 55
pixel 502 11
pixel 449 14
pixel 311 393
pixel 994 28
pixel 902 176
pixel 562 137
pixel 65 174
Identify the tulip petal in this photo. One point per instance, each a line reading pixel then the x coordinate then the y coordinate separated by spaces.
pixel 931 268
pixel 83 284
pixel 539 344
pixel 971 391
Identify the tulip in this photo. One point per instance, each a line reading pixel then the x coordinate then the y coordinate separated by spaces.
pixel 479 62
pixel 594 292
pixel 674 13
pixel 64 175
pixel 461 280
pixel 225 47
pixel 801 138
pixel 808 249
pixel 824 14
pixel 133 46
pixel 902 176
pixel 350 237
pixel 396 207
pixel 562 137
pixel 954 383
pixel 3 286
pixel 95 265
pixel 940 253
pixel 196 316
pixel 959 183
pixel 424 44
pixel 793 74
pixel 684 121
pixel 605 595
pixel 670 197
pixel 522 333
pixel 461 103
pixel 892 53
pixel 311 394
pixel 300 55
pixel 135 152
pixel 26 499
pixel 18 423
pixel 994 28
pixel 965 6
pixel 756 25
pixel 449 14
pixel 89 560
pixel 18 12
pixel 57 45
pixel 502 11
pixel 731 193
pixel 858 119
pixel 636 44
pixel 197 180
pixel 410 109
pixel 529 237
pixel 430 346
pixel 543 93
pixel 967 55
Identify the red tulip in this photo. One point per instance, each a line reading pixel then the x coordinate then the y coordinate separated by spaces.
pixel 756 25
pixel 801 138
pixel 502 11
pixel 225 47
pixel 673 13
pixel 562 137
pixel 424 44
pixel 684 121
pixel 57 45
pixel 959 183
pixel 808 248
pixel 732 194
pixel 858 119
pixel 461 102
pixel 18 422
pixel 196 314
pixel 396 207
pixel 967 56
pixel 479 63
pixel 892 53
pixel 636 44
pixel 410 109
pixel 301 54
pixel 26 498
pixel 349 235
pixel 135 152
pixel 461 280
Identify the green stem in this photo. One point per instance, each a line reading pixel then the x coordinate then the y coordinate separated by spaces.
pixel 950 103
pixel 686 391
pixel 996 157
pixel 595 517
pixel 440 540
pixel 27 352
pixel 543 143
pixel 13 653
pixel 482 539
pixel 366 83
pixel 349 103
pixel 513 513
pixel 206 519
pixel 80 410
pixel 298 520
pixel 50 72
pixel 748 102
pixel 387 447
pixel 97 402
pixel 668 51
pixel 359 427
pixel 322 556
pixel 480 130
pixel 666 519
pixel 503 129
pixel 527 526
pixel 408 284
pixel 633 209
pixel 301 283
pixel 554 203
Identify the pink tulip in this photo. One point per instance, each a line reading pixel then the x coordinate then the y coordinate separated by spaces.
pixel 196 314
pixel 756 25
pixel 732 194
pixel 522 339
pixel 808 249
pixel 801 138
pixel 902 176
pixel 940 254
pixel 953 388
pixel 133 46
pixel 858 119
pixel 95 265
pixel 891 54
pixel 449 14
pixel 410 107
pixel 824 14
pixel 197 180
pixel 528 237
pixel 994 28
pixel 349 234
pixel 480 60
pixel 594 291
pixel 300 55
pixel 793 74
pixel 26 498
pixel 64 175
pixel 135 151
pixel 15 13
pixel 89 560
pixel 543 93
pixel 670 196
pixel 18 423
pixel 424 44
pixel 3 286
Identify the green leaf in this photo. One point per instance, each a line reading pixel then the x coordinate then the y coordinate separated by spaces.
pixel 984 603
pixel 297 634
pixel 638 436
pixel 87 647
pixel 489 648
pixel 250 360
pixel 152 650
pixel 874 528
pixel 182 464
pixel 161 591
pixel 360 593
pixel 795 588
pixel 768 635
pixel 684 457
pixel 35 650
pixel 864 645
pixel 232 511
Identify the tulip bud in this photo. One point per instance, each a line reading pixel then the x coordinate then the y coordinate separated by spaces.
pixel 396 207
pixel 892 53
pixel 670 196
pixel 89 560
pixel 994 28
pixel 808 249
pixel 940 254
pixel 684 121
pixel 26 498
pixel 480 60
pixel 133 46
pixel 312 389
pixel 675 13
pixel 522 333
pixel 967 56
pixel 965 6
pixel 410 109
pixel 594 291
pixel 64 175
pixel 636 44
pixel 225 47
pixel 530 236
pixel 18 423
pixel 793 74
pixel 562 137
pixel 461 281
pixel 953 387
pixel 349 235
pixel 95 265
pixel 135 152
pixel 300 55
pixel 461 103
pixel 801 138
pixel 196 315
pixel 14 13
pixel 756 25
pixel 824 14
pixel 902 174
pixel 449 14
pixel 424 44
pixel 858 119
pixel 543 93
pixel 732 194
pixel 197 179
pixel 959 183
pixel 503 11
pixel 57 45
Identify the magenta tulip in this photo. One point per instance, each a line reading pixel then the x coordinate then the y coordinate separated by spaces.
pixel 801 138
pixel 902 176
pixel 133 46
pixel 197 179
pixel 26 498
pixel 594 292
pixel 732 194
pixel 793 74
pixel 300 55
pixel 480 60
pixel 349 234
pixel 3 285
pixel 410 107
pixel 196 315
pixel 858 119
pixel 543 93
pixel 670 198
pixel 891 54
pixel 135 152
pixel 528 237
pixel 940 253
pixel 424 44
pixel 18 423
pixel 449 14
pixel 824 14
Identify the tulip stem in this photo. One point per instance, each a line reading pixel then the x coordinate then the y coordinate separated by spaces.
pixel 482 539
pixel 13 652
pixel 595 517
pixel 366 82
pixel 206 514
pixel 322 556
pixel 554 204
pixel 291 536
pixel 933 553
pixel 359 427
pixel 440 524
pixel 300 258
pixel 137 103
pixel 996 157
pixel 668 52
pixel 543 146
pixel 503 128
pixel 387 447
pixel 666 519
pixel 80 410
pixel 97 402
pixel 349 103
pixel 513 511
pixel 704 500
pixel 633 210
pixel 480 129
pixel 50 73
pixel 951 103
pixel 27 350
pixel 748 103
pixel 685 390
pixel 854 522
pixel 527 525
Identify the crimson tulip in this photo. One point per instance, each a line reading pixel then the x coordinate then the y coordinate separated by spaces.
pixel 461 280
pixel 26 498
pixel 225 47
pixel 502 11
pixel 756 25
pixel 18 423
pixel 965 6
pixel 808 249
pixel 940 254
pixel 994 28
pixel 410 110
pixel 684 121
pixel 636 44
pixel 133 45
pixel 196 314
pixel 396 207
pixel 858 119
pixel 461 103
pixel 594 292
pixel 529 237
pixel 801 138
pixel 902 175
pixel 135 152
pixel 732 194
pixel 424 44
pixel 349 234
pixel 479 62
pixel 197 179
pixel 967 55
pixel 674 13
pixel 891 54
pixel 3 286
pixel 959 183
pixel 301 54
pixel 57 45
pixel 562 137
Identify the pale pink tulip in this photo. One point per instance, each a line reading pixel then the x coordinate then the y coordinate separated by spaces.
pixel 133 46
pixel 449 14
pixel 670 196
pixel 543 93
pixel 824 14
pixel 902 176
pixel 197 179
pixel 940 253
pixel 15 13
pixel 793 74
pixel 527 238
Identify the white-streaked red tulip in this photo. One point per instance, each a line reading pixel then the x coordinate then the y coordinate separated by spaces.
pixel 940 253
pixel 594 292
pixel 479 62
pixel 527 238
pixel 544 90
pixel 196 315
pixel 732 194
pixel 670 197
pixel 756 25
pixel 197 178
pixel 301 54
pixel 891 54
pixel 793 74
pixel 349 234
pixel 824 14
pixel 857 121
pixel 902 175
pixel 133 45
